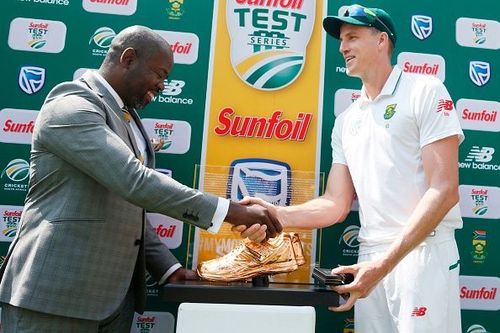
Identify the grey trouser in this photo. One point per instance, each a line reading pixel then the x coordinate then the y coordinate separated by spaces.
pixel 20 320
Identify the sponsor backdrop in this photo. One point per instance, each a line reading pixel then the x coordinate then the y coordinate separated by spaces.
pixel 248 109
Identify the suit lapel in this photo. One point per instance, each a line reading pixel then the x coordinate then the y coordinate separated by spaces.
pixel 149 148
pixel 95 85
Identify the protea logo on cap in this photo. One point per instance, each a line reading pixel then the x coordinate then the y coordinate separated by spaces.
pixel 269 40
pixel 17 170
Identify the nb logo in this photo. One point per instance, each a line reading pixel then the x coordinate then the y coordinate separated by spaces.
pixel 480 154
pixel 419 311
pixel 173 87
pixel 445 104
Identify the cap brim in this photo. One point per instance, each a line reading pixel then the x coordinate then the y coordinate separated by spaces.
pixel 332 24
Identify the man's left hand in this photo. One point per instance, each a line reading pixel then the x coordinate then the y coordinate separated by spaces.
pixel 183 274
pixel 366 276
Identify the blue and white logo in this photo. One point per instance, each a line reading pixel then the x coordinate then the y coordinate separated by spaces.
pixel 421 26
pixel 479 72
pixel 266 179
pixel 31 79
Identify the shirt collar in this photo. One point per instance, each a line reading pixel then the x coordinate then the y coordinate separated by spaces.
pixel 113 93
pixel 389 86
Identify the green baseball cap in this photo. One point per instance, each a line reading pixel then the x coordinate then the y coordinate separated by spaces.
pixel 362 16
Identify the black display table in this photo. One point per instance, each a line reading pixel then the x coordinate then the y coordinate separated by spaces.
pixel 246 293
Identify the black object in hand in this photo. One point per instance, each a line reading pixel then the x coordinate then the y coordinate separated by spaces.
pixel 324 276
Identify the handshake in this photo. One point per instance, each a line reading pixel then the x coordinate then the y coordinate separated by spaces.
pixel 254 218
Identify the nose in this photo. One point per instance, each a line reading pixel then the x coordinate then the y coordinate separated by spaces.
pixel 342 47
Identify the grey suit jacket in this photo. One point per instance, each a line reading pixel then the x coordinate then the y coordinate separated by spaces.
pixel 82 229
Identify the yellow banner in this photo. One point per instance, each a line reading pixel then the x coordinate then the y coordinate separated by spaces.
pixel 263 112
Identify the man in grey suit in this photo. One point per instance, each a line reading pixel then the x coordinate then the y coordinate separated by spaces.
pixel 78 262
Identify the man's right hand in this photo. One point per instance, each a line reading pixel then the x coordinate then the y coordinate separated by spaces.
pixel 255 219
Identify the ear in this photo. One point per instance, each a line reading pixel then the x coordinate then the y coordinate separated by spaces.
pixel 383 38
pixel 128 57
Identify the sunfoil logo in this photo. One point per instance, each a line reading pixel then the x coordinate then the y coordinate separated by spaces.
pixel 17 125
pixel 10 218
pixel 269 40
pixel 184 45
pixel 477 33
pixel 37 35
pixel 168 229
pixel 262 127
pixel 176 134
pixel 117 7
pixel 102 38
pixel 480 198
pixel 479 115
pixel 422 63
pixel 479 293
pixel 344 98
pixel 16 170
pixel 479 201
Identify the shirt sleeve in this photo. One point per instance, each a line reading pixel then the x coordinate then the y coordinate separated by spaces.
pixel 167 274
pixel 435 112
pixel 337 150
pixel 219 216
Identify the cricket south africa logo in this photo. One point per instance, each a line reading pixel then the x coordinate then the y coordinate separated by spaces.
pixel 16 170
pixel 103 37
pixel 269 40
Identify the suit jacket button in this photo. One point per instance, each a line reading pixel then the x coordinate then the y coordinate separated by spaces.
pixel 137 242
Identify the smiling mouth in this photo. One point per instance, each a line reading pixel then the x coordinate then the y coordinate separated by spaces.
pixel 348 59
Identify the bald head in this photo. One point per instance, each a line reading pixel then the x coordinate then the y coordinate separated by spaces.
pixel 142 39
pixel 137 64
